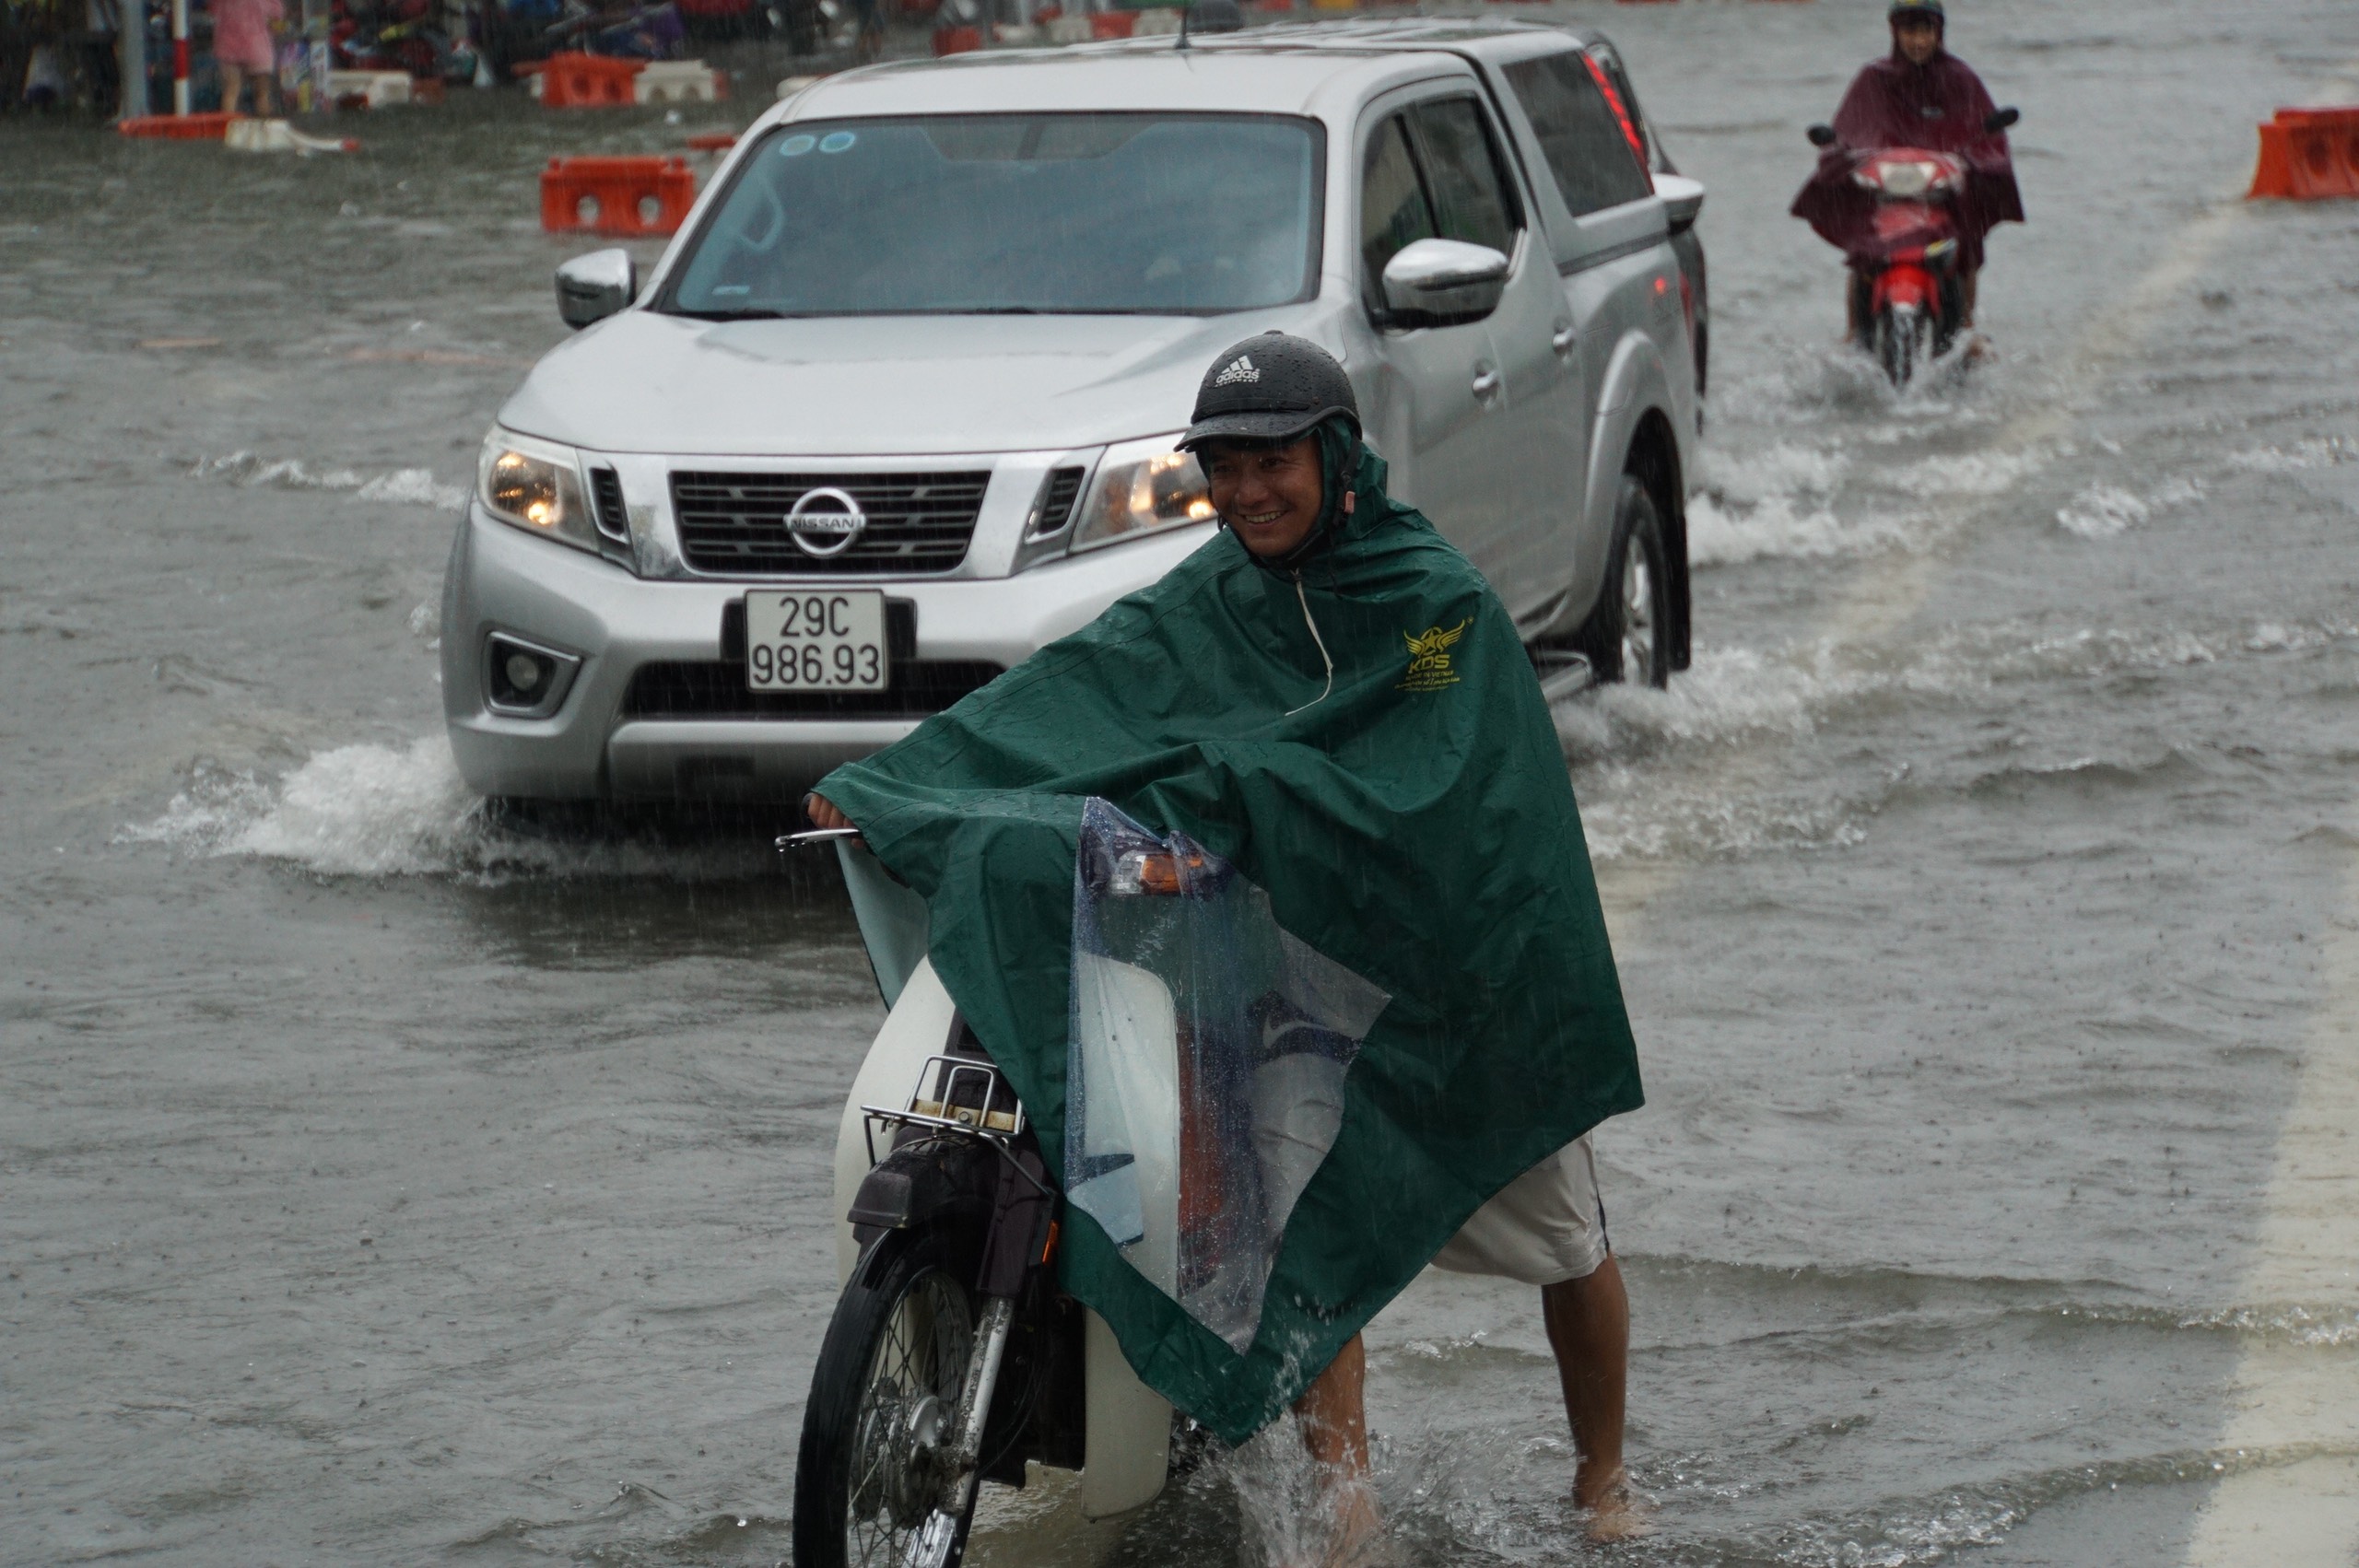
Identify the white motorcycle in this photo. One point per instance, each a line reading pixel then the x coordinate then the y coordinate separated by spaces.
pixel 1204 1085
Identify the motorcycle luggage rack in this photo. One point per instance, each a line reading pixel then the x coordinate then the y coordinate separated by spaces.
pixel 953 1094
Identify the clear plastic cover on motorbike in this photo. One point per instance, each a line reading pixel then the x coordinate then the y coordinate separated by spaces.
pixel 1205 1078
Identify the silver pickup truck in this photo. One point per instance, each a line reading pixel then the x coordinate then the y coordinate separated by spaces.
pixel 897 407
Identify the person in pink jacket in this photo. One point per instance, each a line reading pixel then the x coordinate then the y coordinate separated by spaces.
pixel 1919 95
pixel 241 45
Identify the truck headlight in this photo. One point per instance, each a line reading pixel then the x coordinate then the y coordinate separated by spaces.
pixel 1143 488
pixel 536 485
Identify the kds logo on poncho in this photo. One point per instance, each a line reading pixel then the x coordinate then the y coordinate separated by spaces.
pixel 1429 668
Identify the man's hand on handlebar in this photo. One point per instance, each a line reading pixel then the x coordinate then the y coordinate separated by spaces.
pixel 823 814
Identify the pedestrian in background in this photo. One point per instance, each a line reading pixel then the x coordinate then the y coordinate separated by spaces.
pixel 242 44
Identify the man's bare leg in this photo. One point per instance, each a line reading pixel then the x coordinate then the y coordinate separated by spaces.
pixel 1978 347
pixel 1589 1327
pixel 233 86
pixel 1334 1412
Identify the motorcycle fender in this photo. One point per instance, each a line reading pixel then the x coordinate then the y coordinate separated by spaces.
pixel 1127 1446
pixel 921 1182
pixel 1904 286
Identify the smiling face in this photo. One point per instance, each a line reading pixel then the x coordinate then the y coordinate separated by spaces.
pixel 1917 38
pixel 1269 496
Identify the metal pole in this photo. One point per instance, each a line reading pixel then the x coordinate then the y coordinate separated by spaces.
pixel 132 40
pixel 180 57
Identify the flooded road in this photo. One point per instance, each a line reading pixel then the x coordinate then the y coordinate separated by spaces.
pixel 376 1187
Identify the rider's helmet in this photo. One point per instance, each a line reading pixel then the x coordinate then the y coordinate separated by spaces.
pixel 1930 10
pixel 1272 388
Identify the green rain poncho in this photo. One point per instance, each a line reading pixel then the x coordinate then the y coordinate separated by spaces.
pixel 1414 833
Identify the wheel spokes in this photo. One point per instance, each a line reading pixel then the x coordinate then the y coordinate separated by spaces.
pixel 1637 616
pixel 919 1364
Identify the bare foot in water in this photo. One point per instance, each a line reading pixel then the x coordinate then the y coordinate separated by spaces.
pixel 1358 1538
pixel 1613 1514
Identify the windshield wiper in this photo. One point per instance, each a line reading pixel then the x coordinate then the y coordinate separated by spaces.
pixel 742 313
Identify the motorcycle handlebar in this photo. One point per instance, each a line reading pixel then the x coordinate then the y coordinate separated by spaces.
pixel 1993 122
pixel 815 836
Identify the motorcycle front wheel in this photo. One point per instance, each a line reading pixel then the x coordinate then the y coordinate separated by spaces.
pixel 878 1430
pixel 1900 344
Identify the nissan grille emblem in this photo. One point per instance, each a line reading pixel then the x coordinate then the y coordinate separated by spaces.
pixel 825 533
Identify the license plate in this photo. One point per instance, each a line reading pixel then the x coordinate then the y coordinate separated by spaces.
pixel 816 640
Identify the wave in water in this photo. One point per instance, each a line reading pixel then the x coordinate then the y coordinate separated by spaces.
pixel 1618 737
pixel 370 809
pixel 1799 502
pixel 401 486
pixel 2311 451
pixel 379 810
pixel 2104 512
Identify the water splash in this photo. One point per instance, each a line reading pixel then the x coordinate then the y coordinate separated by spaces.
pixel 2311 451
pixel 2106 512
pixel 369 809
pixel 401 486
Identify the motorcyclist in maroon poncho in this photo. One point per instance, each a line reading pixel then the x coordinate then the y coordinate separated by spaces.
pixel 1919 95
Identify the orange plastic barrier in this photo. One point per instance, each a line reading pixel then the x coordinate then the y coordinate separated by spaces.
pixel 627 197
pixel 2308 155
pixel 1112 24
pixel 713 141
pixel 177 127
pixel 587 81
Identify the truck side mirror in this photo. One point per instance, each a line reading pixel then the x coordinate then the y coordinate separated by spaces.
pixel 1683 199
pixel 1821 135
pixel 1443 280
pixel 1999 120
pixel 591 287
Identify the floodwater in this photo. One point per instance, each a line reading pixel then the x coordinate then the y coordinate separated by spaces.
pixel 377 1189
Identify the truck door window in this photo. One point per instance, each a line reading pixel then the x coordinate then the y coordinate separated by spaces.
pixel 1393 210
pixel 1464 175
pixel 1578 134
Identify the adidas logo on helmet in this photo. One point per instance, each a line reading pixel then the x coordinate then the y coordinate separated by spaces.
pixel 1239 369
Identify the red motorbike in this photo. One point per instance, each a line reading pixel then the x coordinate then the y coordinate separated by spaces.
pixel 1907 302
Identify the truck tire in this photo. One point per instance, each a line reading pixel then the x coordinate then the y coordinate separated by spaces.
pixel 1624 636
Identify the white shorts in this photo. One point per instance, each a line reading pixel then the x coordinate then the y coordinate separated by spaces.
pixel 1544 1227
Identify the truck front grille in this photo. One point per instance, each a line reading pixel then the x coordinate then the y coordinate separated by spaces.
pixel 734 524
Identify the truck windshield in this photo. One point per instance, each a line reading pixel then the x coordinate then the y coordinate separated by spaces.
pixel 1012 214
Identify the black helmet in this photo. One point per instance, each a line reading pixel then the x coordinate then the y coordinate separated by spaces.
pixel 1929 9
pixel 1271 388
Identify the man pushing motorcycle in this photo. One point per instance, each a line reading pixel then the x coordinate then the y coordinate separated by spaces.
pixel 1919 97
pixel 1334 699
